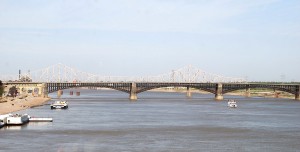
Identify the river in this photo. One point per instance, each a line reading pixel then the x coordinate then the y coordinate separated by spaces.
pixel 105 120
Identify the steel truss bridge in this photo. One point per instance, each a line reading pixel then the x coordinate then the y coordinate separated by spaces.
pixel 134 88
pixel 62 73
pixel 59 77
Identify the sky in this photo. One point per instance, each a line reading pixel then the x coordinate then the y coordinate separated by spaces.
pixel 254 39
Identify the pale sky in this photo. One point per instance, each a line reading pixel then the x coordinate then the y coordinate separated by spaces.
pixel 257 39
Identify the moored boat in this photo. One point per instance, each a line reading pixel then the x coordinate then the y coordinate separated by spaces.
pixel 59 105
pixel 17 119
pixel 3 120
pixel 1 124
pixel 232 103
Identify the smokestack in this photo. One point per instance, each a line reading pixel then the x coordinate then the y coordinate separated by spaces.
pixel 19 74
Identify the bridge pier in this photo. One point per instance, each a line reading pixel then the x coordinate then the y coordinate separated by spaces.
pixel 44 90
pixel 132 95
pixel 188 92
pixel 297 93
pixel 248 94
pixel 59 93
pixel 218 93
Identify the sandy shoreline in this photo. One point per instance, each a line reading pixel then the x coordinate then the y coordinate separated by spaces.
pixel 16 104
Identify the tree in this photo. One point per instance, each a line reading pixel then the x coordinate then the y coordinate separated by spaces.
pixel 1 88
pixel 13 91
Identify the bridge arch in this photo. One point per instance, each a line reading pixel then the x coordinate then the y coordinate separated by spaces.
pixel 279 89
pixel 118 89
pixel 211 88
pixel 53 87
pixel 202 89
pixel 289 89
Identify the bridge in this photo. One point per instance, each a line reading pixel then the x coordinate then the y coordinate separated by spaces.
pixel 134 88
pixel 63 73
pixel 58 77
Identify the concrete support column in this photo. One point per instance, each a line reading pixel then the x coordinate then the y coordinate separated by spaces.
pixel 219 94
pixel 59 93
pixel 188 92
pixel 297 93
pixel 133 95
pixel 44 91
pixel 248 94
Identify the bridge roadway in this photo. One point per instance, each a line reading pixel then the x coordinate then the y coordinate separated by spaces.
pixel 134 88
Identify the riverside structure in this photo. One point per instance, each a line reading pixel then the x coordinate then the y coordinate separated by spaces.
pixel 133 88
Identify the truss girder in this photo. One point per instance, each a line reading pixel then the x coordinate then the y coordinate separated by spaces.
pixel 210 87
pixel 62 73
pixel 281 87
pixel 124 87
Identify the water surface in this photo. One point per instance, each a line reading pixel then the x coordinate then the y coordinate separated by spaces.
pixel 103 120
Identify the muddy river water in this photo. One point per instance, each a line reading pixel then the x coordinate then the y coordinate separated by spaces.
pixel 105 120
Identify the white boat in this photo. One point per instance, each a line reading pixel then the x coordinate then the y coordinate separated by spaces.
pixel 3 119
pixel 232 104
pixel 59 105
pixel 16 119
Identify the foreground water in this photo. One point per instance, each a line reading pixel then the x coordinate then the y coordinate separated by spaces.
pixel 107 121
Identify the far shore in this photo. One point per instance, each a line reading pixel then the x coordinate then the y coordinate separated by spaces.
pixel 10 104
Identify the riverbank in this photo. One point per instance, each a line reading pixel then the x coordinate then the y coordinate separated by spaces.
pixel 9 104
pixel 265 94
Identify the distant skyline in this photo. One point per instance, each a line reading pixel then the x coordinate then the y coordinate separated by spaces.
pixel 254 39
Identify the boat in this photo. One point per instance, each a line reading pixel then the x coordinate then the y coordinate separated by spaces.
pixel 59 105
pixel 232 103
pixel 16 119
pixel 1 124
pixel 3 120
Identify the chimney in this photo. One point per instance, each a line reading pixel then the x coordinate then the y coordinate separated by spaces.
pixel 19 74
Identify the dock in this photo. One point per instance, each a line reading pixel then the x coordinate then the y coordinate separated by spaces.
pixel 17 119
pixel 40 119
